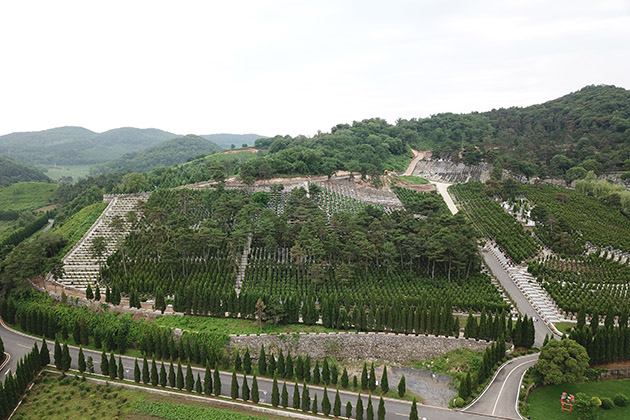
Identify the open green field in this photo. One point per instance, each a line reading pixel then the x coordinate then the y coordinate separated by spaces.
pixel 27 195
pixel 56 398
pixel 414 179
pixel 233 325
pixel 564 327
pixel 544 402
pixel 75 171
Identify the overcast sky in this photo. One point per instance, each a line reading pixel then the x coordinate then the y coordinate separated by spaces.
pixel 295 67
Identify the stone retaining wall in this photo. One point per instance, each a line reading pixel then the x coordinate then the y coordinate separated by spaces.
pixel 350 347
pixel 618 373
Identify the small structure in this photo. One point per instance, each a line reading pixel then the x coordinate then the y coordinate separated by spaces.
pixel 566 400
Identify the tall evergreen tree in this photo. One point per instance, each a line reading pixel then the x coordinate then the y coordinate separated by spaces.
pixel 121 369
pixel 180 376
pixel 171 376
pixel 155 379
pixel 190 379
pixel 216 382
pixel 136 372
pixel 369 411
pixel 325 403
pixel 402 387
pixel 146 376
pixel 284 398
pixel 65 358
pixel 359 408
pixel 237 361
pixel 255 391
pixel 344 378
pixel 113 368
pixel 364 377
pixel 198 385
pixel 247 362
pixel 306 399
pixel 207 380
pixel 337 405
pixel 58 355
pixel 81 360
pixel 275 393
pixel 381 409
pixel 262 361
pixel 163 376
pixel 413 414
pixel 245 389
pixel 325 371
pixel 372 379
pixel 234 389
pixel 44 354
pixel 384 381
pixel 296 396
pixel 316 375
pixel 349 409
pixel 314 405
pixel 104 364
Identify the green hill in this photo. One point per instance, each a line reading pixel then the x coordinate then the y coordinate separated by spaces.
pixel 77 145
pixel 27 195
pixel 12 172
pixel 227 140
pixel 167 153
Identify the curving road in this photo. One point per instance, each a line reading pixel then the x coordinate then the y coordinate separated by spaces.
pixel 18 344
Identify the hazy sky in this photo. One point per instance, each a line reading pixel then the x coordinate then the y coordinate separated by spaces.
pixel 295 67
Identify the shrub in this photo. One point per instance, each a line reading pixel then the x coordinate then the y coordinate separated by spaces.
pixel 620 400
pixel 459 402
pixel 607 403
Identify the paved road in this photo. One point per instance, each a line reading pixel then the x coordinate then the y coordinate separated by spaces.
pixel 18 344
pixel 521 302
pixel 501 396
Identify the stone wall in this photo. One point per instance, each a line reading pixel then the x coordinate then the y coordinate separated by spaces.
pixel 350 347
pixel 616 373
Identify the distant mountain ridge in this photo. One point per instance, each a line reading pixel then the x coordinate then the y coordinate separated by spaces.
pixel 78 145
pixel 168 153
pixel 226 140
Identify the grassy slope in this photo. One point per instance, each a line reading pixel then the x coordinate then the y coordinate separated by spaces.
pixel 54 398
pixel 76 226
pixel 414 179
pixel 27 195
pixel 58 171
pixel 544 402
pixel 233 326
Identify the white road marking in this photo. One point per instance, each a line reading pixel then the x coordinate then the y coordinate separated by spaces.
pixel 26 347
pixel 503 385
pixel 401 415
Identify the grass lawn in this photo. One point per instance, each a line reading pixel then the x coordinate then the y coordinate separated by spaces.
pixel 76 226
pixel 54 397
pixel 27 195
pixel 544 402
pixel 564 327
pixel 233 326
pixel 414 179
pixel 455 363
pixel 75 171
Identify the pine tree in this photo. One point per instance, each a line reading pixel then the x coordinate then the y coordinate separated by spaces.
pixel 384 381
pixel 237 361
pixel 288 366
pixel 413 414
pixel 180 376
pixel 326 372
pixel 307 368
pixel 262 361
pixel 359 408
pixel 104 364
pixel 355 382
pixel 344 378
pixel 58 355
pixel 296 397
pixel 171 376
pixel 337 405
pixel 65 358
pixel 464 386
pixel 372 379
pixel 364 377
pixel 247 362
pixel 155 379
pixel 89 295
pixel 207 380
pixel 136 372
pixel 216 382
pixel 381 409
pixel 316 375
pixel 190 379
pixel 275 393
pixel 280 366
pixel 402 387
pixel 284 396
pixel 44 354
pixel 85 339
pixel 369 412
pixel 163 377
pixel 325 403
pixel 349 409
pixel 97 293
pixel 121 369
pixel 306 399
pixel 97 339
pixel 146 377
pixel 198 385
pixel 113 369
pixel 255 391
pixel 234 389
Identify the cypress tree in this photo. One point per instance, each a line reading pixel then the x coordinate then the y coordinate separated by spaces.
pixel 113 369
pixel 136 372
pixel 402 387
pixel 325 403
pixel 190 379
pixel 285 395
pixel 314 405
pixel 326 372
pixel 280 365
pixel 349 409
pixel 155 379
pixel 171 376
pixel 180 376
pixel 104 364
pixel 464 387
pixel 121 369
pixel 216 382
pixel 163 377
pixel 372 379
pixel 381 409
pixel 85 339
pixel 364 377
pixel 81 360
pixel 384 381
pixel 307 368
pixel 369 412
pixel 97 293
pixel 288 366
pixel 89 295
pixel 413 414
pixel 344 378
pixel 58 355
pixel 337 405
pixel 97 340
pixel 198 385
pixel 247 362
pixel 271 365
pixel 65 358
pixel 359 408
pixel 145 371
pixel 44 354
pixel 296 397
pixel 355 382
pixel 262 361
pixel 306 399
pixel 237 361
pixel 76 333
pixel 299 368
pixel 245 389
pixel 255 391
pixel 316 375
pixel 207 380
pixel 234 389
pixel 275 393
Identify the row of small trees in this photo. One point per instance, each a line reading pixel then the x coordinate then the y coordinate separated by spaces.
pixel 15 385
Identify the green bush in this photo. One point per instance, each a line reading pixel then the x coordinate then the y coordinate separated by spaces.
pixel 620 400
pixel 459 402
pixel 607 403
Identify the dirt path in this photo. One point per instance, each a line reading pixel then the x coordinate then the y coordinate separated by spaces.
pixel 417 155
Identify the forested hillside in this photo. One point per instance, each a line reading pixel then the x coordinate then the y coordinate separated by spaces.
pixel 12 172
pixel 168 153
pixel 77 145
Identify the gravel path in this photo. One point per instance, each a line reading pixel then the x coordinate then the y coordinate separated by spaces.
pixel 435 389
